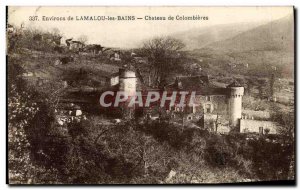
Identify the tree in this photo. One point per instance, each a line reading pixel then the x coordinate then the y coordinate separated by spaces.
pixel 286 121
pixel 55 32
pixel 262 83
pixel 267 130
pixel 220 111
pixel 83 39
pixel 272 81
pixel 23 108
pixel 163 54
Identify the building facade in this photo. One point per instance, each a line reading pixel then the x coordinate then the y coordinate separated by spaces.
pixel 216 108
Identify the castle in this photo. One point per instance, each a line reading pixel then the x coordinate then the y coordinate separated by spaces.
pixel 217 108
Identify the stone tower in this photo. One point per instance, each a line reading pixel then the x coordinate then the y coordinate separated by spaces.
pixel 127 81
pixel 236 92
pixel 127 84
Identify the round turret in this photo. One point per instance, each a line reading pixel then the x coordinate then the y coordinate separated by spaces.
pixel 127 82
pixel 236 92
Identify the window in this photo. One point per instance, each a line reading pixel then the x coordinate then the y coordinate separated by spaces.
pixel 208 108
pixel 208 98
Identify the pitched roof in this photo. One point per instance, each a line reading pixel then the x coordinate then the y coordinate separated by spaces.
pixel 200 84
pixel 234 84
pixel 192 82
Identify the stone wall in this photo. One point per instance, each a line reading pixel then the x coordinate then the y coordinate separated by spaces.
pixel 257 126
pixel 213 103
pixel 251 114
pixel 210 123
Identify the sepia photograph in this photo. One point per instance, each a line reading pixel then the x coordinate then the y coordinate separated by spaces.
pixel 162 95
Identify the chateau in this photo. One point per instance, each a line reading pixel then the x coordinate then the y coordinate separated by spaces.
pixel 214 107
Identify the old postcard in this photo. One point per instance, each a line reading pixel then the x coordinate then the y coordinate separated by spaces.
pixel 150 95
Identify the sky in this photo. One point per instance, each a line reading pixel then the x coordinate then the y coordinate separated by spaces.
pixel 130 33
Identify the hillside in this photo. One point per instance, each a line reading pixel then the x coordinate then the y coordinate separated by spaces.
pixel 200 37
pixel 264 48
pixel 274 36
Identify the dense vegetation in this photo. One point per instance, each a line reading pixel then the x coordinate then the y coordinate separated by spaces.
pixel 41 151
